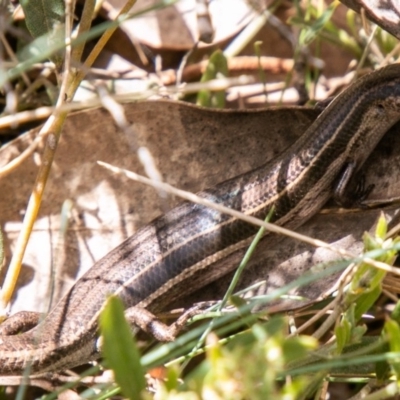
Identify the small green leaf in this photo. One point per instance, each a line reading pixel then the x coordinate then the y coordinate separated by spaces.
pixel 393 332
pixel 217 67
pixel 120 351
pixel 381 227
pixel 41 16
pixel 343 334
pixel 395 315
pixel 45 19
pixel 370 242
pixel 307 36
pixel 367 299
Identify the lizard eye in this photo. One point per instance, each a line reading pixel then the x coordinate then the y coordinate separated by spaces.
pixel 380 109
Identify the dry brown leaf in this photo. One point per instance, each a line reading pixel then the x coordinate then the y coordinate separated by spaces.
pixel 154 28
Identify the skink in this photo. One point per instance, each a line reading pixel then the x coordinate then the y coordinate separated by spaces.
pixel 187 247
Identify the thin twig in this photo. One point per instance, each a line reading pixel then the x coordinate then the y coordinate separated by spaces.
pixel 252 220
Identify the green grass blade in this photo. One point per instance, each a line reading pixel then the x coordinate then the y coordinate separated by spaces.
pixel 120 351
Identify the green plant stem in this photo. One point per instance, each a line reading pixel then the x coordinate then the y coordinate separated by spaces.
pixel 84 26
pixel 100 45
